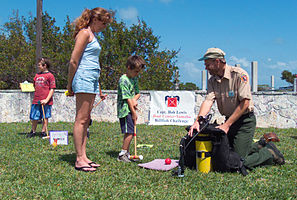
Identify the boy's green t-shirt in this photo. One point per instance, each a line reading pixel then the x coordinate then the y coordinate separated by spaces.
pixel 127 89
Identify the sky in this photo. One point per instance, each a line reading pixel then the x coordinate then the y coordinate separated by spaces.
pixel 255 30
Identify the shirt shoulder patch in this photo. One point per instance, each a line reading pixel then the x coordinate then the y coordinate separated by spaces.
pixel 244 78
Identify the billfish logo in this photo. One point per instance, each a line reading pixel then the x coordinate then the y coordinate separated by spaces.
pixel 244 78
pixel 172 101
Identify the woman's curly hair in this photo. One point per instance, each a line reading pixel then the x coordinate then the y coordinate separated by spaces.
pixel 88 15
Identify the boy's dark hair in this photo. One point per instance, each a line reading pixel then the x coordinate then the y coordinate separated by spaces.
pixel 135 62
pixel 45 61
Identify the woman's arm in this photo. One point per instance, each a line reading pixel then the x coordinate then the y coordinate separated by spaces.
pixel 81 42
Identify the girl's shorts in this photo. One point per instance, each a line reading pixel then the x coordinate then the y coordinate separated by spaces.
pixel 37 114
pixel 86 81
pixel 127 124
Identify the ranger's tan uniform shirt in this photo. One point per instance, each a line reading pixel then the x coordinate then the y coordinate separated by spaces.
pixel 230 90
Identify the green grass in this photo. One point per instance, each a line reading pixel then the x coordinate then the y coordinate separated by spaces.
pixel 30 168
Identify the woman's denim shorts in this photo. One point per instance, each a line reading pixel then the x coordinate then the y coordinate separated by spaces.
pixel 86 81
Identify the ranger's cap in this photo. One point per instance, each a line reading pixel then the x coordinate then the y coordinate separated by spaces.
pixel 213 53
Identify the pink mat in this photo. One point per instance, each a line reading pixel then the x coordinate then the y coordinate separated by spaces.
pixel 159 164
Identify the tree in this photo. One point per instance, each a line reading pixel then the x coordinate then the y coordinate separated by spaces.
pixel 288 76
pixel 188 86
pixel 16 54
pixel 118 42
pixel 57 45
pixel 18 44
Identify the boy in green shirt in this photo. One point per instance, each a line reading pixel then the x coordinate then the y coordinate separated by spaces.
pixel 128 94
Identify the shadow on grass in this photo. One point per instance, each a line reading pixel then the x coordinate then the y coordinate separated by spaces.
pixel 112 154
pixel 70 133
pixel 70 158
pixel 23 133
pixel 38 134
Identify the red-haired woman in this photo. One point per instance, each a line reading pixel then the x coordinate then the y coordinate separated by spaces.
pixel 83 78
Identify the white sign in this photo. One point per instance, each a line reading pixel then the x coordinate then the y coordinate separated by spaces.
pixel 172 108
pixel 61 137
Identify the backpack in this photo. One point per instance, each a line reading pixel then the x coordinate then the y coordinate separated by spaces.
pixel 223 158
pixel 188 150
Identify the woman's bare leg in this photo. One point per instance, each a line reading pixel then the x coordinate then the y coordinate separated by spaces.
pixel 84 104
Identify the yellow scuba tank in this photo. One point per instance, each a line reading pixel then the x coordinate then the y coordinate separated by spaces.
pixel 203 147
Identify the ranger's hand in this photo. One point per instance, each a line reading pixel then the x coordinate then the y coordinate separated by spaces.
pixel 194 126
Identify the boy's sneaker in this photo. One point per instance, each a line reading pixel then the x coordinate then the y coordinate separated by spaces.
pixel 124 158
pixel 43 134
pixel 278 157
pixel 31 134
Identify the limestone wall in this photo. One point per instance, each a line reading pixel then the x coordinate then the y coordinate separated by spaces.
pixel 272 109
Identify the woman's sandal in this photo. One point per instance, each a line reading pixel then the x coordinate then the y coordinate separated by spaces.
pixel 83 169
pixel 93 164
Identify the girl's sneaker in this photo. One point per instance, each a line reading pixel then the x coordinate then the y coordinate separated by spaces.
pixel 31 134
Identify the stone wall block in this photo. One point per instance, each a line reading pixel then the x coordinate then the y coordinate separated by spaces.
pixel 271 109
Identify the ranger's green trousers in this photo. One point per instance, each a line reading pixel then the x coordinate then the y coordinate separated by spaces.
pixel 240 137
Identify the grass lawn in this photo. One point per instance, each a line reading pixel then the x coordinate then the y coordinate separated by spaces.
pixel 30 168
